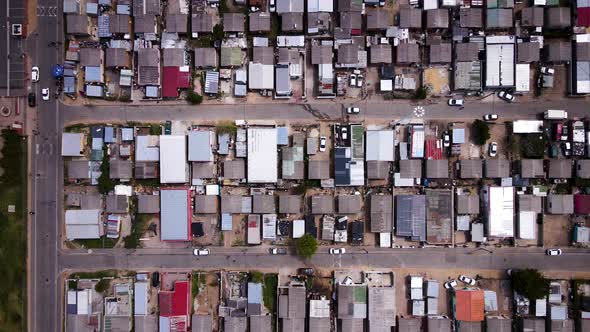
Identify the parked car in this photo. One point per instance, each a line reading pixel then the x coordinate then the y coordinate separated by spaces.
pixel 565 132
pixel 547 71
pixel 455 102
pixel 272 7
pixel 450 284
pixel 344 133
pixel 254 9
pixel 352 79
pixel 308 271
pixel 359 81
pixel 201 252
pixel 353 110
pixel 553 252
pixel 336 131
pixel 493 149
pixel 446 139
pixel 35 74
pixel 155 279
pixel 490 117
pixel 506 96
pixel 168 128
pixel 382 3
pixel 567 148
pixel 558 127
pixel 32 99
pixel 45 94
pixel 278 251
pixel 467 280
pixel 337 251
pixel 553 151
pixel 322 143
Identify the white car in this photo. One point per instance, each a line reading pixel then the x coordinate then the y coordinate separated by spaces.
pixel 353 110
pixel 490 117
pixel 359 81
pixel 547 71
pixel 254 9
pixel 45 94
pixel 553 252
pixel 455 102
pixel 337 251
pixel 506 96
pixel 446 139
pixel 450 284
pixel 467 280
pixel 344 133
pixel 352 80
pixel 493 149
pixel 322 143
pixel 201 252
pixel 35 74
pixel 272 6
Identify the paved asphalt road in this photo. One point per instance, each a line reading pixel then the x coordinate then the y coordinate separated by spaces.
pixel 258 258
pixel 47 187
pixel 375 111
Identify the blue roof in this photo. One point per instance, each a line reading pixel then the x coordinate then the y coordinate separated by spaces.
pixel 458 136
pixel 69 84
pixel 226 222
pixel 96 132
pixel 199 145
pixel 282 136
pixel 109 135
pixel 92 74
pixel 254 293
pixel 223 144
pixel 341 167
pixel 174 217
pixel 103 26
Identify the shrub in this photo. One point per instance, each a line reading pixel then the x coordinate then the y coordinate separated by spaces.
pixel 480 132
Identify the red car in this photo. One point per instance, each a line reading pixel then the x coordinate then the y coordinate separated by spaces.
pixel 558 130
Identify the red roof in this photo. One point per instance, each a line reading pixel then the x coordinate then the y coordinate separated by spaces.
pixel 176 302
pixel 583 17
pixel 434 148
pixel 174 79
pixel 469 306
pixel 581 204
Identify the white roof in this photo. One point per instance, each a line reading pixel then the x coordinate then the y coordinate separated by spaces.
pixel 385 240
pixel 541 307
pixel 386 85
pixel 490 300
pixel 526 225
pixel 262 155
pixel 298 228
pixel 173 167
pixel 500 61
pixel 380 145
pixel 147 148
pixel 82 224
pixel 83 302
pixel 199 145
pixel 501 211
pixel 523 72
pixel 314 6
pixel 174 217
pixel 269 226
pixel 290 41
pixel 71 144
pixel 261 76
pixel 140 299
pixel 417 143
pixel 430 4
pixel 527 126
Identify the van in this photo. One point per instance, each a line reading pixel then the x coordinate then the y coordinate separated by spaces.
pixel 555 115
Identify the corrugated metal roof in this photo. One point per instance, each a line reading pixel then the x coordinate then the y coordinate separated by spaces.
pixel 411 216
pixel 174 215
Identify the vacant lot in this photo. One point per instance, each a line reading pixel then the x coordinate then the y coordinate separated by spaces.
pixel 556 231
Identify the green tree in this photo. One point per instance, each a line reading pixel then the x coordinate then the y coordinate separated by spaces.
pixel 480 132
pixel 218 33
pixel 193 97
pixel 12 157
pixel 102 285
pixel 105 184
pixel 421 93
pixel 256 276
pixel 530 283
pixel 306 246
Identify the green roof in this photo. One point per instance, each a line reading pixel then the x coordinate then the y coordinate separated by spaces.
pixel 360 294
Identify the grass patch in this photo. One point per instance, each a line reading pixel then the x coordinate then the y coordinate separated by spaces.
pixel 256 276
pixel 155 129
pixel 269 295
pixel 72 284
pixel 13 233
pixel 226 127
pixel 138 227
pixel 93 275
pixel 102 242
pixel 195 287
pixel 76 128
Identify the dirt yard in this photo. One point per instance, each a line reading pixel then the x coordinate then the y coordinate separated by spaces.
pixel 556 230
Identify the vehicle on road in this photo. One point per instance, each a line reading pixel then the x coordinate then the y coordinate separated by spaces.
pixel 490 117
pixel 547 71
pixel 553 252
pixel 45 93
pixel 506 96
pixel 32 99
pixel 467 280
pixel 493 151
pixel 308 271
pixel 566 148
pixel 347 281
pixel 155 279
pixel 359 81
pixel 456 102
pixel 344 133
pixel 353 110
pixel 450 284
pixel 35 74
pixel 201 252
pixel 322 143
pixel 337 251
pixel 352 80
pixel 278 251
pixel 446 139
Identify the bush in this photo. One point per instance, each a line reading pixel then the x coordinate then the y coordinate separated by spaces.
pixel 218 33
pixel 421 93
pixel 105 184
pixel 480 132
pixel 194 98
pixel 533 146
pixel 226 127
pixel 256 276
pixel 102 285
pixel 306 246
pixel 530 283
